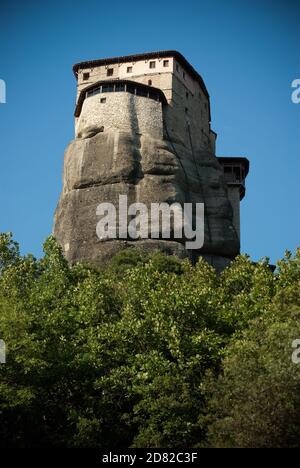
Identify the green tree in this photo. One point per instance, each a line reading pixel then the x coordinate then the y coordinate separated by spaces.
pixel 117 356
pixel 255 401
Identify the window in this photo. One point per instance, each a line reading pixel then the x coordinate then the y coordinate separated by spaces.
pixel 93 92
pixel 166 63
pixel 152 64
pixel 237 174
pixel 85 76
pixel 142 92
pixel 103 100
pixel 110 72
pixel 186 110
pixel 108 88
pixel 129 69
pixel 120 87
pixel 130 88
pixel 149 82
pixel 183 74
pixel 177 67
pixel 153 95
pixel 187 95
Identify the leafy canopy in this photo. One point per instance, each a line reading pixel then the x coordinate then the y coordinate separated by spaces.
pixel 129 355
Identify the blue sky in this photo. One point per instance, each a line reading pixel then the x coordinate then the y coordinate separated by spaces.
pixel 246 51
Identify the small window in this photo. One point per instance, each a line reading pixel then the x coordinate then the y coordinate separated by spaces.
pixel 152 64
pixel 110 72
pixel 108 88
pixel 237 173
pixel 166 63
pixel 186 110
pixel 183 74
pixel 85 76
pixel 129 69
pixel 103 100
pixel 130 88
pixel 149 82
pixel 187 95
pixel 153 95
pixel 120 87
pixel 142 92
pixel 93 92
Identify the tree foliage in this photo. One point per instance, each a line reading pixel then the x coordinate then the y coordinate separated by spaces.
pixel 129 355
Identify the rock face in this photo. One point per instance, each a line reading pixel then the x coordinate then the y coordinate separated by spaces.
pixel 101 165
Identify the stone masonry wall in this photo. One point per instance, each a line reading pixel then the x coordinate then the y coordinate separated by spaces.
pixel 186 99
pixel 141 72
pixel 121 111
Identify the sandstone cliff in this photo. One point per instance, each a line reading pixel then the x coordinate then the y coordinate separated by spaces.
pixel 101 165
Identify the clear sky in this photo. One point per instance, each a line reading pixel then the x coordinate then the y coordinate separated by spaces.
pixel 246 51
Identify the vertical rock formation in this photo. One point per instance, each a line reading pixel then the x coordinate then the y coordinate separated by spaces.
pixel 150 140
